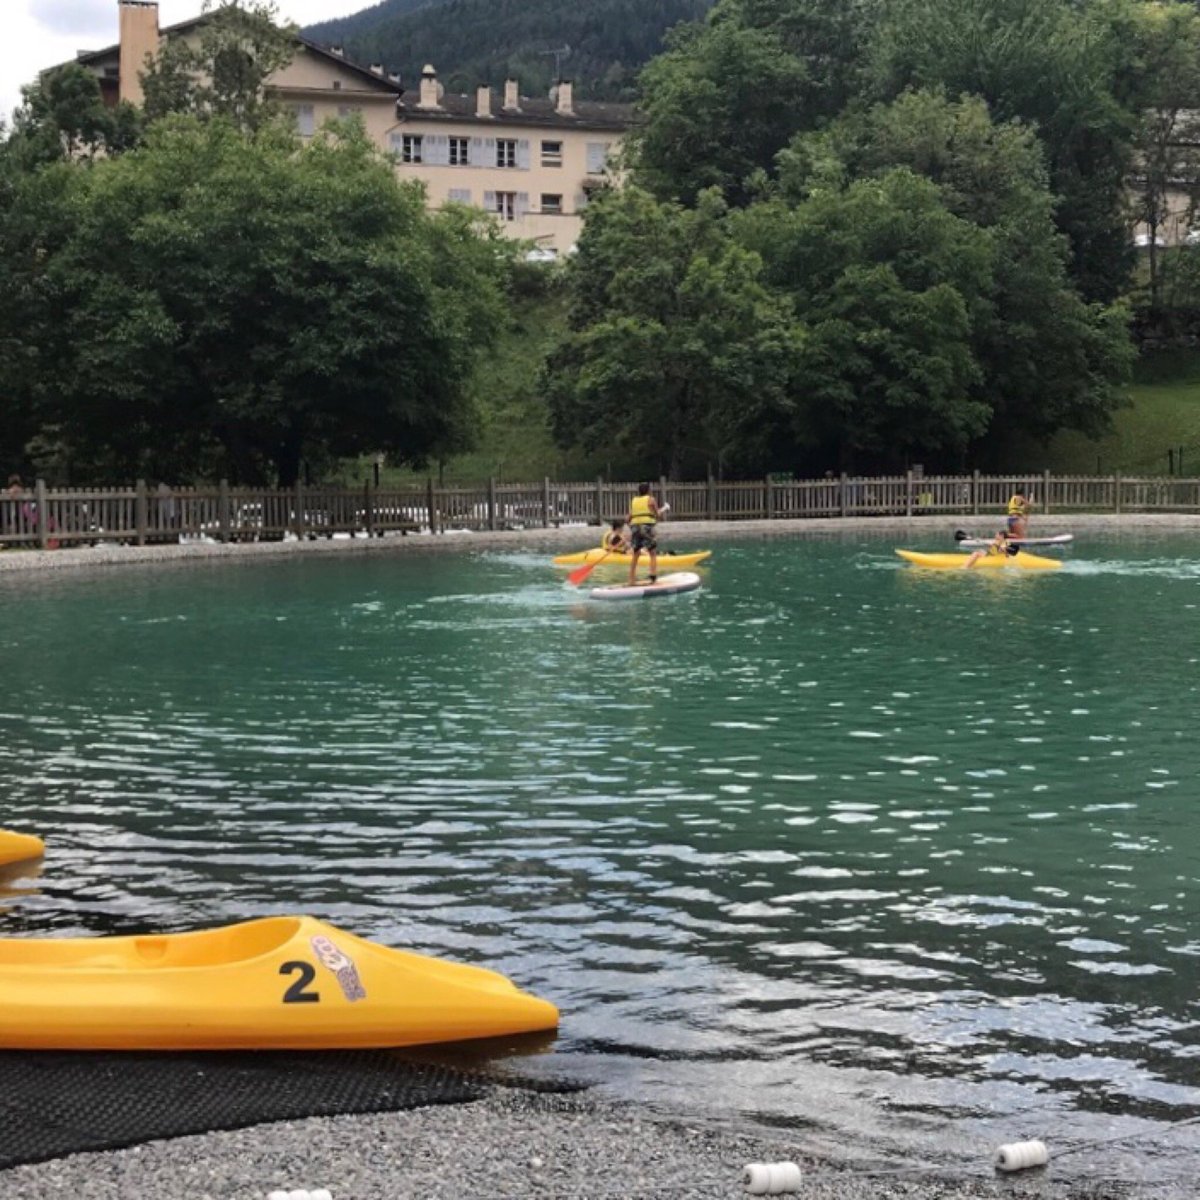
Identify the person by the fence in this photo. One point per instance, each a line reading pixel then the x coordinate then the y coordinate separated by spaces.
pixel 643 524
pixel 1018 515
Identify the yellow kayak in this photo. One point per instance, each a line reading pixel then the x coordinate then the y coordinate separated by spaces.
pixel 281 983
pixel 17 847
pixel 665 560
pixel 951 562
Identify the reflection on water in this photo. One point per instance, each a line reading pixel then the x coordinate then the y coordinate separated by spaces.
pixel 832 841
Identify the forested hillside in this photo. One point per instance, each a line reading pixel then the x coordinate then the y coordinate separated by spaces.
pixel 484 41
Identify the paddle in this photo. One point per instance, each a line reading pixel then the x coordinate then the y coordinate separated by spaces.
pixel 577 576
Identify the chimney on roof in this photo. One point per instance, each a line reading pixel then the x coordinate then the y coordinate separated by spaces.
pixel 512 96
pixel 564 103
pixel 431 90
pixel 139 40
pixel 394 77
pixel 483 101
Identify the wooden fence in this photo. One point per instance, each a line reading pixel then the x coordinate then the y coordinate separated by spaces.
pixel 48 517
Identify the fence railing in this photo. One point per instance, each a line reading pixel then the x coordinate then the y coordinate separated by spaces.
pixel 49 517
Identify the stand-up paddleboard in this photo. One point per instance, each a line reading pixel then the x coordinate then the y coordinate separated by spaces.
pixel 951 562
pixel 667 585
pixel 1060 539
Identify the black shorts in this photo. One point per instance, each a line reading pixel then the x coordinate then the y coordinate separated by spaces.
pixel 644 537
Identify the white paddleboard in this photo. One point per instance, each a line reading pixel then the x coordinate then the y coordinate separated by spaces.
pixel 1060 539
pixel 667 585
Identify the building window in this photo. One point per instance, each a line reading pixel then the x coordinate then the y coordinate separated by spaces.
pixel 410 148
pixel 460 153
pixel 459 196
pixel 506 205
pixel 306 121
pixel 337 85
pixel 349 110
pixel 552 154
pixel 597 157
pixel 551 204
pixel 506 152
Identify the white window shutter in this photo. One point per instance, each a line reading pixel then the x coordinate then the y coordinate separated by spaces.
pixel 476 152
pixel 397 142
pixel 522 206
pixel 581 201
pixel 460 195
pixel 523 154
pixel 596 157
pixel 489 201
pixel 489 151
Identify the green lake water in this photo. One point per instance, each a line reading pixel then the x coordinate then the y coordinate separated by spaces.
pixel 905 859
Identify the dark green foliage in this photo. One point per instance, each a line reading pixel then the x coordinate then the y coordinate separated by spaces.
pixel 221 304
pixel 675 345
pixel 485 41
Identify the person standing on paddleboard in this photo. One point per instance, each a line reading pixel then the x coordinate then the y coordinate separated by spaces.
pixel 1018 515
pixel 643 524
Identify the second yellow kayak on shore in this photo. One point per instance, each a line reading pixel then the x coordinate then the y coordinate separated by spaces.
pixel 17 847
pixel 951 562
pixel 282 983
pixel 665 560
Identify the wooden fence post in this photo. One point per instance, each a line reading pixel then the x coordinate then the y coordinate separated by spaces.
pixel 369 508
pixel 43 514
pixel 975 492
pixel 843 495
pixel 433 523
pixel 299 502
pixel 491 502
pixel 139 511
pixel 711 498
pixel 769 497
pixel 1046 492
pixel 1116 493
pixel 545 501
pixel 908 482
pixel 224 512
pixel 662 490
pixel 599 500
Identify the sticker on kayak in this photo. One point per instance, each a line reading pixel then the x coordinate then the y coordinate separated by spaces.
pixel 342 966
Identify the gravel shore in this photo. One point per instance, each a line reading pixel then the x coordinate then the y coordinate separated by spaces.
pixel 515 1145
pixel 923 531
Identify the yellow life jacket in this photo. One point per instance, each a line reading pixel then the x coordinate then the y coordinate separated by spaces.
pixel 610 539
pixel 1017 507
pixel 640 512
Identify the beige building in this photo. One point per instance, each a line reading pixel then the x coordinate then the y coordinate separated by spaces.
pixel 531 161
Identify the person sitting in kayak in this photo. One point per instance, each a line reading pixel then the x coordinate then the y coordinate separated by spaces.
pixel 1000 544
pixel 614 540
pixel 1018 515
pixel 643 522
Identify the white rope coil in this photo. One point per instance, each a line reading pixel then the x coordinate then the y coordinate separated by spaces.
pixel 1017 1156
pixel 771 1179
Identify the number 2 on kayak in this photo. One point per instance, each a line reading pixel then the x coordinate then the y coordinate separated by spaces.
pixel 296 993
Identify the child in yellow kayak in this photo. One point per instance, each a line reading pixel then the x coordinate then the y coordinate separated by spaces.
pixel 1000 544
pixel 614 540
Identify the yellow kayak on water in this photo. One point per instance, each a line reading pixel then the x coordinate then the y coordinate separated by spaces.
pixel 17 847
pixel 951 562
pixel 665 560
pixel 281 983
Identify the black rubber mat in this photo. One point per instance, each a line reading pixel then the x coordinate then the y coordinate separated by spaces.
pixel 54 1104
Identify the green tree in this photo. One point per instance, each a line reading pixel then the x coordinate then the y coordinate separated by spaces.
pixel 884 279
pixel 217 303
pixel 223 72
pixel 1166 183
pixel 676 351
pixel 1048 360
pixel 1063 67
pixel 727 96
pixel 64 117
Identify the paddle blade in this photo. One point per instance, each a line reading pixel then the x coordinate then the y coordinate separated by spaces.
pixel 577 576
